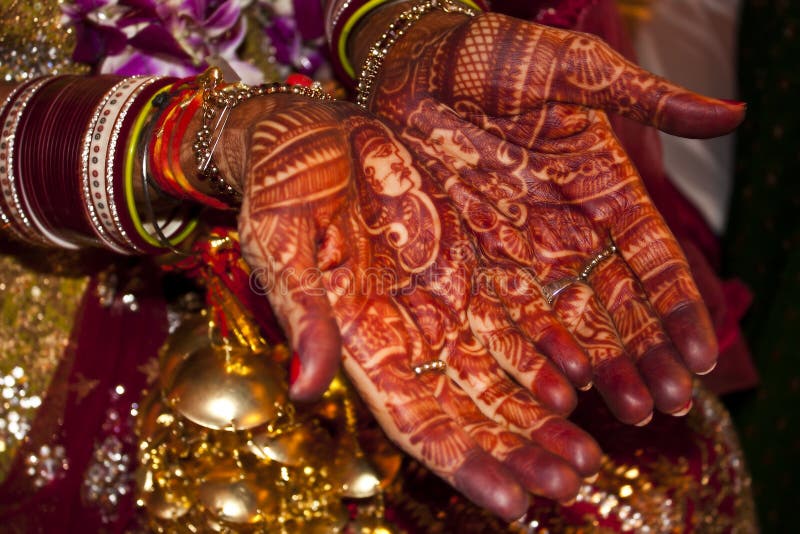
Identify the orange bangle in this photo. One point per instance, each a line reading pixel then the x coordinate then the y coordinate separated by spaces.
pixel 159 144
pixel 165 147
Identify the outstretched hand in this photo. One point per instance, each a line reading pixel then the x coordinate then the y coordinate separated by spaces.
pixel 363 257
pixel 510 119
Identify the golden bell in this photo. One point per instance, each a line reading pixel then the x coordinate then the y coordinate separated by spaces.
pixel 227 388
pixel 357 477
pixel 370 525
pixel 155 418
pixel 162 503
pixel 191 336
pixel 305 444
pixel 232 498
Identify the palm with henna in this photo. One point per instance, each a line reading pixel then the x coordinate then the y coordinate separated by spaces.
pixel 364 258
pixel 510 119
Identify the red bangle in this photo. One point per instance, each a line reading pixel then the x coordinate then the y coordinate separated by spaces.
pixel 165 146
pixel 49 156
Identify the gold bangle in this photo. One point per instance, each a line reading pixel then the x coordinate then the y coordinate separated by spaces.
pixel 374 60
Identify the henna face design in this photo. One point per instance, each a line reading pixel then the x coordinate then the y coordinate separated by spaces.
pixel 510 119
pixel 368 259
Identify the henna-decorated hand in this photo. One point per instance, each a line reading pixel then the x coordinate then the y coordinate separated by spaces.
pixel 510 119
pixel 361 255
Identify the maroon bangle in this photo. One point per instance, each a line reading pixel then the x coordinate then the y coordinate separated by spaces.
pixel 49 155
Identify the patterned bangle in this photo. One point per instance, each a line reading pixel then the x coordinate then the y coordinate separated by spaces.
pixel 22 220
pixel 100 174
pixel 372 64
pixel 219 99
pixel 9 217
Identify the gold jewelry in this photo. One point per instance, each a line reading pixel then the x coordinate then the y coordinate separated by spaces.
pixel 551 290
pixel 433 365
pixel 219 99
pixel 372 64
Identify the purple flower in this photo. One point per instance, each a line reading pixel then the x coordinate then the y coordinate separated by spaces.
pixel 172 37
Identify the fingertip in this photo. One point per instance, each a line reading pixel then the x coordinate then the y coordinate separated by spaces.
pixel 690 115
pixel 669 381
pixel 692 332
pixel 318 356
pixel 626 395
pixel 554 391
pixel 485 482
pixel 569 442
pixel 683 410
pixel 645 421
pixel 544 473
pixel 563 350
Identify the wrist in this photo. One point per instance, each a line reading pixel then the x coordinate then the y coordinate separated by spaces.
pixel 427 21
pixel 353 25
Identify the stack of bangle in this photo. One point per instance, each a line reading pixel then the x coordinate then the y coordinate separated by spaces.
pixel 70 146
pixel 341 18
pixel 66 169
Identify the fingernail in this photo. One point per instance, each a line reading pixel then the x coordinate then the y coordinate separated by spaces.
pixel 683 411
pixel 733 102
pixel 294 368
pixel 645 420
pixel 708 370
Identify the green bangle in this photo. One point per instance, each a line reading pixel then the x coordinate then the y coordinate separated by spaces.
pixel 179 233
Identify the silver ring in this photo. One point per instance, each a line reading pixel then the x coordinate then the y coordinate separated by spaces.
pixel 551 290
pixel 433 365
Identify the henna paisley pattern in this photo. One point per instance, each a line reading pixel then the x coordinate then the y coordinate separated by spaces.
pixel 509 118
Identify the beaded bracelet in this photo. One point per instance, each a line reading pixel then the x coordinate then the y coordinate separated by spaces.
pixel 374 60
pixel 219 99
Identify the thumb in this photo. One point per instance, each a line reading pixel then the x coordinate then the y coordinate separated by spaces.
pixel 281 252
pixel 589 72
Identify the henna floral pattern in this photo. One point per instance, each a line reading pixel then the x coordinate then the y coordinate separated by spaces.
pixel 428 234
pixel 361 253
pixel 510 120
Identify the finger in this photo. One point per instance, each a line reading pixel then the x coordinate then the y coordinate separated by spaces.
pixel 379 344
pixel 280 250
pixel 540 472
pixel 615 375
pixel 507 404
pixel 278 229
pixel 516 354
pixel 655 257
pixel 591 73
pixel 670 383
pixel 527 308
